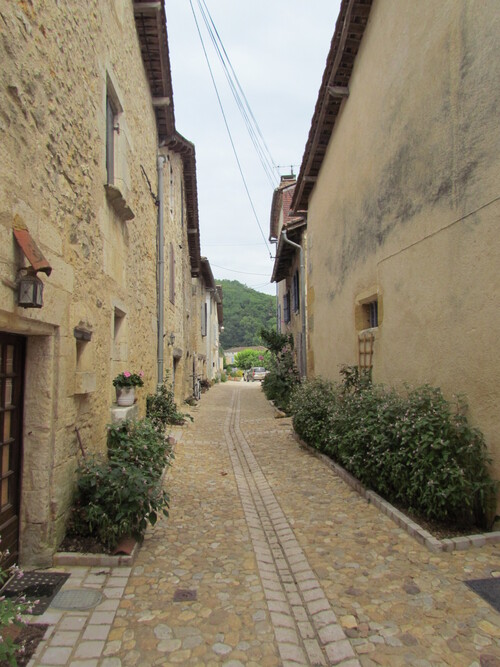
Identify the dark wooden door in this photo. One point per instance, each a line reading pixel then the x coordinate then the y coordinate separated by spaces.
pixel 12 349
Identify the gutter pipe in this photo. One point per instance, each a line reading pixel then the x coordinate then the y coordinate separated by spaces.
pixel 302 298
pixel 160 297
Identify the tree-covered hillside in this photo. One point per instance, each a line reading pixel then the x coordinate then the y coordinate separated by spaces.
pixel 246 311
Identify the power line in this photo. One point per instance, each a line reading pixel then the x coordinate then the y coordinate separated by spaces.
pixel 227 128
pixel 253 128
pixel 248 273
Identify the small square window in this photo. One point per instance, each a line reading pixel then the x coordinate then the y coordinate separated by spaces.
pixel 370 311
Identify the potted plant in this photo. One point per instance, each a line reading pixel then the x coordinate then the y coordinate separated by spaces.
pixel 125 384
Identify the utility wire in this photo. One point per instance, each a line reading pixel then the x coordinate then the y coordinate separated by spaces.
pixel 228 129
pixel 253 128
pixel 248 273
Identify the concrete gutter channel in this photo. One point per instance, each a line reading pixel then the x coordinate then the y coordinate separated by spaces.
pixel 413 529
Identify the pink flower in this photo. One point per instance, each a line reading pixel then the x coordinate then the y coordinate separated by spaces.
pixel 126 374
pixel 141 373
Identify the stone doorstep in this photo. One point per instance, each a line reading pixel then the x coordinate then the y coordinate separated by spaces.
pixel 413 529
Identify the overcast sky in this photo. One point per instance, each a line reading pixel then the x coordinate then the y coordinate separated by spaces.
pixel 278 49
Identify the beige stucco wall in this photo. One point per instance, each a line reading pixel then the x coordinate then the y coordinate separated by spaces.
pixel 57 60
pixel 406 206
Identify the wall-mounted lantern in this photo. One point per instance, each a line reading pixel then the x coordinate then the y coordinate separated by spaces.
pixel 29 286
pixel 30 290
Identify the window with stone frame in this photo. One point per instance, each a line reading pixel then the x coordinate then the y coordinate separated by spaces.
pixel 286 307
pixel 296 291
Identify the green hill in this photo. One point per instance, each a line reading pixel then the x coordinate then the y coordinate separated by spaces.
pixel 246 311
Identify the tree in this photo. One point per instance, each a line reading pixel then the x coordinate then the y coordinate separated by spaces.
pixel 248 358
pixel 246 312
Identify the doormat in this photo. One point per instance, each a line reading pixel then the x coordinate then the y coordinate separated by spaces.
pixel 35 585
pixel 488 589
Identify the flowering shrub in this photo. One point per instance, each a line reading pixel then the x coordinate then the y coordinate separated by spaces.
pixel 121 495
pixel 11 610
pixel 414 448
pixel 128 379
pixel 283 375
pixel 161 408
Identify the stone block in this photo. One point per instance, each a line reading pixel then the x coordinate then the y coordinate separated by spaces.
pixel 119 413
pixel 85 382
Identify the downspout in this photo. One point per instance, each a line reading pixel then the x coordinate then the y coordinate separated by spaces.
pixel 160 297
pixel 303 300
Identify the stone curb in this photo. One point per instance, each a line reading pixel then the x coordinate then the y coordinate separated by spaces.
pixel 413 529
pixel 74 559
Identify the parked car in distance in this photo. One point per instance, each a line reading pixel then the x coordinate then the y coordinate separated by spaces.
pixel 255 373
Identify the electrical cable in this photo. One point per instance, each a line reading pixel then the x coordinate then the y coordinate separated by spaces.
pixel 228 129
pixel 253 128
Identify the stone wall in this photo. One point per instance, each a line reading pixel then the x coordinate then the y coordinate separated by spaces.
pixel 58 62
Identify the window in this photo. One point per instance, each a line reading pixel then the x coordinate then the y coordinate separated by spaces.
pixel 111 112
pixel 286 307
pixel 295 292
pixel 172 274
pixel 204 318
pixel 370 311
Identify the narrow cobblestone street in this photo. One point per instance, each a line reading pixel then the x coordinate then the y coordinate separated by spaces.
pixel 287 565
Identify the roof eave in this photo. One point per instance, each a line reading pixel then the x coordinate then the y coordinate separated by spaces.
pixel 334 89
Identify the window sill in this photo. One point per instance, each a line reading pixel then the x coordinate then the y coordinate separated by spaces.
pixel 118 202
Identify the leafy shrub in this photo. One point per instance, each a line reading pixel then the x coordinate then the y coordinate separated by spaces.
pixel 414 448
pixel 11 610
pixel 283 375
pixel 120 495
pixel 161 408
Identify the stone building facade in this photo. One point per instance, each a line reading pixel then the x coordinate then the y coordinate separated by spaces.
pixel 289 274
pixel 399 181
pixel 85 103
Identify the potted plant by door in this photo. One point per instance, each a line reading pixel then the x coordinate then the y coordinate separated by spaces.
pixel 125 384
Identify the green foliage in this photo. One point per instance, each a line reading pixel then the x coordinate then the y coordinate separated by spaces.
pixel 120 495
pixel 248 358
pixel 11 610
pixel 161 408
pixel 246 311
pixel 283 376
pixel 128 379
pixel 415 449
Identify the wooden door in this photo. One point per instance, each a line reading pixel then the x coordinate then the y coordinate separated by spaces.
pixel 12 350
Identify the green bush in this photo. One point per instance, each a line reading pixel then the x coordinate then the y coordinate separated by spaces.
pixel 161 408
pixel 121 495
pixel 283 376
pixel 413 448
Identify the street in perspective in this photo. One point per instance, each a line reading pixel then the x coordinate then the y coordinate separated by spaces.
pixel 269 558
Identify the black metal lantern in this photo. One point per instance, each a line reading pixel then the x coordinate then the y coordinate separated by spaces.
pixel 30 291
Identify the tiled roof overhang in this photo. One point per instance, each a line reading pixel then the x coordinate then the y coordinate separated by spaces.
pixel 285 253
pixel 186 150
pixel 207 275
pixel 151 25
pixel 220 312
pixel 278 205
pixel 345 44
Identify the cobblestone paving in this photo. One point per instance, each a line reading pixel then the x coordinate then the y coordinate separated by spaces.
pixel 289 565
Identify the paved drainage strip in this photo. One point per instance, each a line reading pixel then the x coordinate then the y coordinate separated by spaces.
pixel 305 626
pixel 421 535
